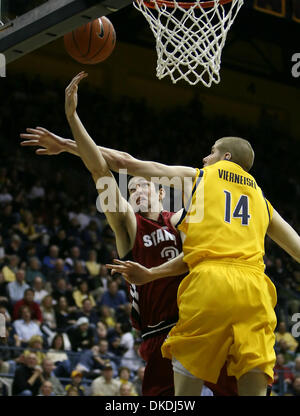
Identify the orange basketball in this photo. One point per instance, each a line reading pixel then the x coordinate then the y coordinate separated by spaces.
pixel 91 43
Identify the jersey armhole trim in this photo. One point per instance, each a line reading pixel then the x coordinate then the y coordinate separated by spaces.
pixel 185 210
pixel 267 206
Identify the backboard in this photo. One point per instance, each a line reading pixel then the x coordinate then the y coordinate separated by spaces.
pixel 27 25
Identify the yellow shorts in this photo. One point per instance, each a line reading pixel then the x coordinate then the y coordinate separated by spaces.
pixel 226 313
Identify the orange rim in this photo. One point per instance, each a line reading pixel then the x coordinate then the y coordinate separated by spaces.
pixel 171 4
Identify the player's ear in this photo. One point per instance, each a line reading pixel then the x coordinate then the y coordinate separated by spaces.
pixel 227 156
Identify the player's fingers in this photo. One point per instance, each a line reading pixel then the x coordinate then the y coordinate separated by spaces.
pixel 29 136
pixel 42 129
pixel 31 130
pixel 110 266
pixel 41 152
pixel 76 80
pixel 119 268
pixel 30 143
pixel 117 261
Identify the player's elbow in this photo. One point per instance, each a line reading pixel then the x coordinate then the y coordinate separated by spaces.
pixel 124 161
pixel 99 173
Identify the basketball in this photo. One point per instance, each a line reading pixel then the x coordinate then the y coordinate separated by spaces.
pixel 91 43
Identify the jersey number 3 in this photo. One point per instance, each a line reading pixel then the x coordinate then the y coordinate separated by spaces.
pixel 241 209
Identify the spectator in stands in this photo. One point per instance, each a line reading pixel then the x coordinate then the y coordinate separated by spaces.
pixel 105 385
pixel 9 357
pixel 36 344
pixel 94 360
pixel 105 277
pixel 107 316
pixel 8 219
pixel 92 265
pixel 127 339
pixel 113 297
pixel 132 358
pixel 48 375
pixel 4 311
pixel 283 376
pixel 56 352
pixel 5 196
pixel 9 270
pixel 47 389
pixel 75 257
pixel 73 231
pixel 72 391
pixel 28 300
pixel 15 246
pixel 39 290
pixel 59 271
pixel 61 289
pixel 64 314
pixel 126 390
pixel 42 230
pixel 89 312
pixel 27 378
pixel 37 190
pixel 138 380
pixel 296 367
pixel 76 382
pixel 33 270
pixel 60 343
pixel 50 259
pixel 78 274
pixel 48 313
pixel 27 228
pixel 116 348
pixel 283 348
pixel 296 387
pixel 16 289
pixel 25 327
pixel 82 335
pixel 282 333
pixel 124 377
pixel 60 239
pixel 102 331
pixel 83 293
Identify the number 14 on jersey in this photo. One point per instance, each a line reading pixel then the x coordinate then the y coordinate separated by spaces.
pixel 241 209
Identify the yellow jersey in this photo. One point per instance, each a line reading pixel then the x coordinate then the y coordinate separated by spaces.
pixel 226 217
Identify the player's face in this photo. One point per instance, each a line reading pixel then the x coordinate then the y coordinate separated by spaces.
pixel 142 195
pixel 214 156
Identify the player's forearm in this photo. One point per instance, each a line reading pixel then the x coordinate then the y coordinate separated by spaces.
pixel 285 236
pixel 174 267
pixel 87 148
pixel 115 159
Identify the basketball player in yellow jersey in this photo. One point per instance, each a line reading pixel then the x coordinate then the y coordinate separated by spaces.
pixel 226 303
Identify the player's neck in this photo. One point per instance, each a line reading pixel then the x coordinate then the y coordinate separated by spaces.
pixel 151 215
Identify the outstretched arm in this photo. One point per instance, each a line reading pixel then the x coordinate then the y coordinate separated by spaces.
pixel 284 235
pixel 137 274
pixel 118 212
pixel 116 160
pixel 51 144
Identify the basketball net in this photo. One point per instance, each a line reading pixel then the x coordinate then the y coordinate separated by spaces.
pixel 189 36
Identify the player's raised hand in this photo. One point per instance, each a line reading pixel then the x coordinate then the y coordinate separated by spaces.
pixel 133 272
pixel 49 143
pixel 71 96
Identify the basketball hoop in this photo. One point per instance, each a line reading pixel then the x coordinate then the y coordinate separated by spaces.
pixel 190 36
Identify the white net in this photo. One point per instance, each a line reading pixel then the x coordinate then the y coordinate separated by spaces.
pixel 189 36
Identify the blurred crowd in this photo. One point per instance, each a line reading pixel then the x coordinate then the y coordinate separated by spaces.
pixel 68 319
